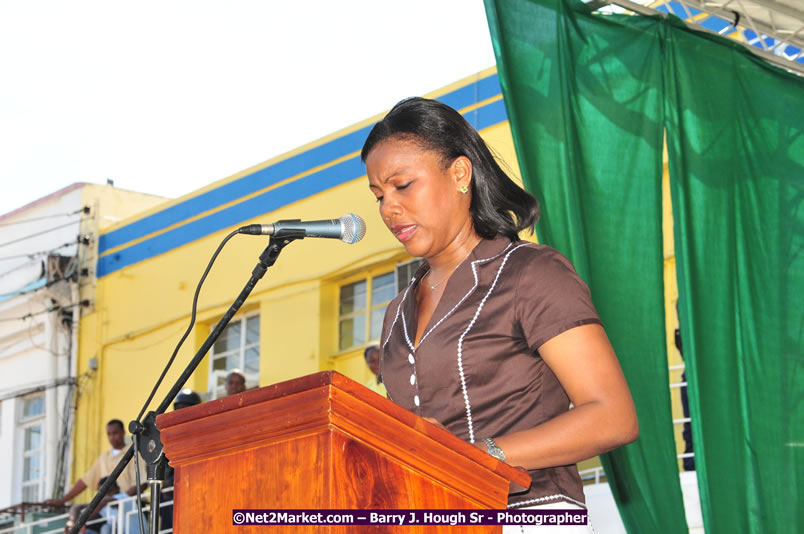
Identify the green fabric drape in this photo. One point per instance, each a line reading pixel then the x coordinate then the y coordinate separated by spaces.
pixel 735 129
pixel 585 95
pixel 584 99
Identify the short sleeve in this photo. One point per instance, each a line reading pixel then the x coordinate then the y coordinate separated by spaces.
pixel 91 477
pixel 550 297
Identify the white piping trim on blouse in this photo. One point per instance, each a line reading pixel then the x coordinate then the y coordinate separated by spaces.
pixel 401 313
pixel 444 317
pixel 460 340
pixel 398 308
pixel 542 500
pixel 391 329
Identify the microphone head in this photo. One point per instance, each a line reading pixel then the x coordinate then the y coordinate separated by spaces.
pixel 353 228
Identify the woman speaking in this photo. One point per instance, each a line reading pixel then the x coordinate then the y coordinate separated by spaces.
pixel 494 337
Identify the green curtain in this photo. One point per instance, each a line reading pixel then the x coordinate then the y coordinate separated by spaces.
pixel 584 99
pixel 735 129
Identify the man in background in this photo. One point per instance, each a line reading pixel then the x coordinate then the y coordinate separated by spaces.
pixel 372 357
pixel 104 465
pixel 235 382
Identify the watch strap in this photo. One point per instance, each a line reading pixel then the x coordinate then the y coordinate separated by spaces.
pixel 494 449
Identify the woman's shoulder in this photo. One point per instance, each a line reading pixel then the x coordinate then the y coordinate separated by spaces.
pixel 535 256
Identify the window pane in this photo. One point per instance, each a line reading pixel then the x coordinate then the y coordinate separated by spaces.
pixel 30 468
pixel 30 493
pixel 376 323
pixel 353 297
pixel 229 339
pixel 252 330
pixel 252 363
pixel 238 348
pixel 220 363
pixel 405 272
pixel 33 437
pixel 382 288
pixel 33 407
pixel 352 332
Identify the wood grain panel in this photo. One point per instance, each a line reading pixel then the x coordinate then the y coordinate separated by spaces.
pixel 365 479
pixel 321 442
pixel 285 475
pixel 419 452
pixel 444 437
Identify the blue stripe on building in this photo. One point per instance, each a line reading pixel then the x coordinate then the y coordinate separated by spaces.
pixel 234 190
pixel 351 169
pixel 248 209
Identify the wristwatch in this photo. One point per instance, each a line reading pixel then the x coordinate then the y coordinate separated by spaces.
pixel 494 450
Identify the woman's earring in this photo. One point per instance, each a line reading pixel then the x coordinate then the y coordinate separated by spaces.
pixel 463 189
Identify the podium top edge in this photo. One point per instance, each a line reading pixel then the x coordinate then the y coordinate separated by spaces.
pixel 252 396
pixel 333 379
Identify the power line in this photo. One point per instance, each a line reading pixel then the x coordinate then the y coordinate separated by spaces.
pixel 27 390
pixel 35 289
pixel 72 276
pixel 85 210
pixel 85 303
pixel 81 240
pixel 39 233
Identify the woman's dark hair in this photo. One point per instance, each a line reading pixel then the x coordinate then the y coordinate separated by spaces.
pixel 499 205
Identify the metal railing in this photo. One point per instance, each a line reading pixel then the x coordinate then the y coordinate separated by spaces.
pixel 596 475
pixel 120 518
pixel 680 420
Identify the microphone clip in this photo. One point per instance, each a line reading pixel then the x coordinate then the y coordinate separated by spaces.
pixel 283 232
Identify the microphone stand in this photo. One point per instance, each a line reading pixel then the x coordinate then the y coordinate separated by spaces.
pixel 145 433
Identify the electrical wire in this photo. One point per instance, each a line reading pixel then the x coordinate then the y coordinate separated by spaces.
pixel 22 266
pixel 34 290
pixel 84 209
pixel 29 236
pixel 31 388
pixel 49 283
pixel 79 240
pixel 84 303
pixel 172 335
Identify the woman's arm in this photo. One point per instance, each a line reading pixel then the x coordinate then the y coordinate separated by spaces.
pixel 603 416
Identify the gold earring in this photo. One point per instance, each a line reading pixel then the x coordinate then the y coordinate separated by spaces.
pixel 463 189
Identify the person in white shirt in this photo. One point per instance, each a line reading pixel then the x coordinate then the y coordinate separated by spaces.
pixel 104 465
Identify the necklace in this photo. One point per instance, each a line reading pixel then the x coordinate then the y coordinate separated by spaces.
pixel 432 287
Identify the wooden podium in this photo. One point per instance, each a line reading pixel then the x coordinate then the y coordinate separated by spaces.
pixel 321 441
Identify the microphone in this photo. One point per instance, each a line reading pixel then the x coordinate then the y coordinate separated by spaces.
pixel 350 228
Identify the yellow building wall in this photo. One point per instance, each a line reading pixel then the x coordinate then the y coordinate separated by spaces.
pixel 141 310
pixel 114 204
pixel 108 206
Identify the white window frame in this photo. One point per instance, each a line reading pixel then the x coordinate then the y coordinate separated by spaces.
pixel 410 266
pixel 24 424
pixel 252 380
pixel 368 309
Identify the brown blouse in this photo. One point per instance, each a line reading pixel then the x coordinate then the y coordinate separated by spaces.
pixel 477 368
